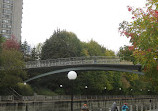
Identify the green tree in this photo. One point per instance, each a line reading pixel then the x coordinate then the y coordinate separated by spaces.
pixel 61 44
pixel 109 53
pixel 1 41
pixel 24 47
pixel 34 55
pixel 12 66
pixel 96 82
pixel 26 50
pixel 92 48
pixel 126 54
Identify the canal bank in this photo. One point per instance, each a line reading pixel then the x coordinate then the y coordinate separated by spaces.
pixel 63 103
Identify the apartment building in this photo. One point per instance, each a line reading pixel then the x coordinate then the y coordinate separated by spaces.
pixel 11 18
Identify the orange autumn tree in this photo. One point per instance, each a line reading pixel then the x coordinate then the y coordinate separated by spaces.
pixel 143 34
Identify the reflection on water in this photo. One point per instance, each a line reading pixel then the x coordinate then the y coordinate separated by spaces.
pixel 146 104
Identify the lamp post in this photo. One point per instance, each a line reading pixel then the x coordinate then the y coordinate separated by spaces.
pixel 105 89
pixel 120 90
pixel 72 75
pixel 86 87
pixel 148 91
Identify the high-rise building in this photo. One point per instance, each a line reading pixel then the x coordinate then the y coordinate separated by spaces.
pixel 11 18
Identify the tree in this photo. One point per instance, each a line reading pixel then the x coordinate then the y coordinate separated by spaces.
pixel 126 54
pixel 24 47
pixel 34 55
pixel 26 50
pixel 11 44
pixel 1 41
pixel 39 50
pixel 94 49
pixel 12 66
pixel 96 82
pixel 109 53
pixel 143 34
pixel 61 44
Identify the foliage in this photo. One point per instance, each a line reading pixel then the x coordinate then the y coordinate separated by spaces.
pixel 92 48
pixel 12 65
pixel 12 62
pixel 143 34
pixel 126 54
pixel 34 55
pixel 39 50
pixel 24 47
pixel 109 53
pixel 61 44
pixel 23 89
pixel 26 50
pixel 31 54
pixel 96 81
pixel 44 91
pixel 1 41
pixel 11 44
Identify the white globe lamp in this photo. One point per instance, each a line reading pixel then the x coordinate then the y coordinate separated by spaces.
pixel 72 75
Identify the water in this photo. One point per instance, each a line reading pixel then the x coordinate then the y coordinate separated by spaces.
pixel 146 104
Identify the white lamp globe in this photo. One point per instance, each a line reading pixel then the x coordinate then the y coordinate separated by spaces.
pixel 72 75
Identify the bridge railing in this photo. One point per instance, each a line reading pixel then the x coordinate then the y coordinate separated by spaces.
pixel 73 61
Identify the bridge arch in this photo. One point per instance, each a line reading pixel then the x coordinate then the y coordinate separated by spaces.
pixel 83 69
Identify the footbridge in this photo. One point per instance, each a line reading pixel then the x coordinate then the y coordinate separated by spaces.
pixel 94 63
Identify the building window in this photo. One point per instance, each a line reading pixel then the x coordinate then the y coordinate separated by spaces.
pixel 7 1
pixel 3 31
pixel 7 6
pixel 6 16
pixel 4 25
pixel 7 11
pixel 6 36
pixel 9 26
pixel 6 21
pixel 8 31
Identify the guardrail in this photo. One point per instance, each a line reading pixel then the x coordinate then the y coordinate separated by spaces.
pixel 75 61
pixel 78 98
pixel 7 98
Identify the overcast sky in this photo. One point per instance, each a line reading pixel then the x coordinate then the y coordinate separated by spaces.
pixel 88 19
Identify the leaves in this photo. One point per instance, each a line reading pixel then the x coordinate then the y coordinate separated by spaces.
pixel 126 53
pixel 11 44
pixel 12 64
pixel 61 44
pixel 143 34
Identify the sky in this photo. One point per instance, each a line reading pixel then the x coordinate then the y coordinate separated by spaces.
pixel 96 20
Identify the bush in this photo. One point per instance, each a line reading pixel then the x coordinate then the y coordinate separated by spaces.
pixel 24 90
pixel 42 91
